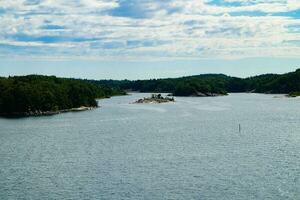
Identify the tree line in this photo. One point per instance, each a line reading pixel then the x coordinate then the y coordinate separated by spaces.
pixel 288 83
pixel 21 94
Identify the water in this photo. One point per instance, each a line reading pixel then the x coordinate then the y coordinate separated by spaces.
pixel 191 149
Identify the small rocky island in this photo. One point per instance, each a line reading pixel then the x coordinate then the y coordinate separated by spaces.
pixel 156 98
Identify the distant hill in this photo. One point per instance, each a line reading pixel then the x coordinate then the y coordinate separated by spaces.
pixel 213 84
pixel 272 83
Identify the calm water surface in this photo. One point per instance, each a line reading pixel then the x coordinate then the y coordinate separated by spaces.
pixel 191 149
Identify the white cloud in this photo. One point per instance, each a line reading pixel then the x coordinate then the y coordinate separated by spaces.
pixel 174 29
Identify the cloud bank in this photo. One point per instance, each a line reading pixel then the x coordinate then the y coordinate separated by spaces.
pixel 149 29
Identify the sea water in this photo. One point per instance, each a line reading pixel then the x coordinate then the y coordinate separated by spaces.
pixel 190 149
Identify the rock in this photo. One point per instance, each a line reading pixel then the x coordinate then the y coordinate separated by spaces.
pixel 155 98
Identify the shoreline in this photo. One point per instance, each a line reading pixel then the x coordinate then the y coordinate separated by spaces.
pixel 39 113
pixel 219 95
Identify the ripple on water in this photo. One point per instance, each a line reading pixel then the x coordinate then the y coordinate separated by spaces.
pixel 190 149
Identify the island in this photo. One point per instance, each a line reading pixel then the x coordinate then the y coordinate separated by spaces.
pixel 204 85
pixel 156 98
pixel 36 95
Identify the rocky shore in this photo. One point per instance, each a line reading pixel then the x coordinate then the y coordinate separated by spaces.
pixel 37 113
pixel 207 94
pixel 155 98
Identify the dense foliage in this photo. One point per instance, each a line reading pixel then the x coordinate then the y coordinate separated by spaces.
pixel 286 83
pixel 213 83
pixel 22 94
pixel 185 86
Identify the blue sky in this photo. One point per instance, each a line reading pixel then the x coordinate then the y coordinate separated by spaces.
pixel 148 38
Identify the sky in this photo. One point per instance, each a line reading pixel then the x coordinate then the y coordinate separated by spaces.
pixel 140 39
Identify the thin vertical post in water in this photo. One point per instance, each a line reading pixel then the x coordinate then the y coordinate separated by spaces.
pixel 240 128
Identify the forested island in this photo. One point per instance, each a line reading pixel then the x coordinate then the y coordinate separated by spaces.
pixel 44 95
pixel 214 84
pixel 41 95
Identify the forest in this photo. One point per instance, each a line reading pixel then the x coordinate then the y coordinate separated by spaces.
pixel 213 84
pixel 20 95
